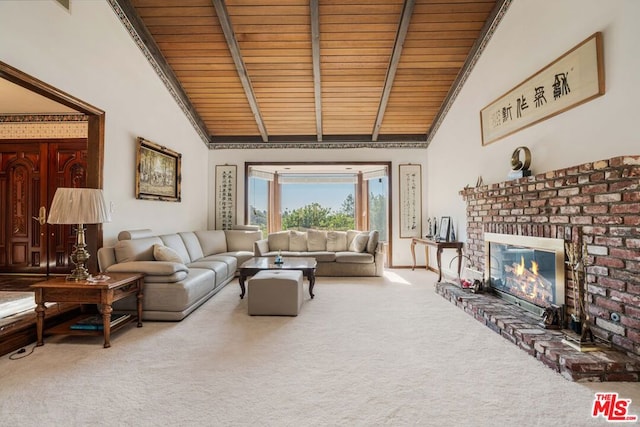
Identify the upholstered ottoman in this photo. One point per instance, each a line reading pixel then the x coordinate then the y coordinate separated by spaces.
pixel 275 293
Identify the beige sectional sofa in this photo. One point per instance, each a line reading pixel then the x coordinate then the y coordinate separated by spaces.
pixel 182 270
pixel 338 253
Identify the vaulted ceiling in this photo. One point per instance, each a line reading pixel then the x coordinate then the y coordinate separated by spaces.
pixel 312 72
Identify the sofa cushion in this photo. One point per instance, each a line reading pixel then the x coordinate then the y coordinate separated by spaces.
pixel 212 242
pixel 279 241
pixel 148 268
pixel 241 240
pixel 351 234
pixel 298 241
pixel 354 257
pixel 359 243
pixel 336 241
pixel 316 240
pixel 321 256
pixel 192 244
pixel 135 234
pixel 175 242
pixel 136 250
pixel 227 258
pixel 165 253
pixel 372 244
pixel 173 278
pixel 219 267
pixel 180 295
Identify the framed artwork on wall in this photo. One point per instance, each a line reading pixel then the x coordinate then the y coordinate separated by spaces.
pixel 410 201
pixel 573 79
pixel 225 196
pixel 158 172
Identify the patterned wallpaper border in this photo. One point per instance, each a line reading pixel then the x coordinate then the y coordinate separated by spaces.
pixel 44 130
pixel 40 118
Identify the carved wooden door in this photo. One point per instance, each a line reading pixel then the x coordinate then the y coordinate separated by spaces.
pixel 30 172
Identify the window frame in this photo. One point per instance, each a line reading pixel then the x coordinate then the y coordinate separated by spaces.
pixel 361 194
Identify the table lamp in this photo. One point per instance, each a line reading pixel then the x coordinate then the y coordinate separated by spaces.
pixel 78 206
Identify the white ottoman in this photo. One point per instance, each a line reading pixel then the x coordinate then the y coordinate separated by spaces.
pixel 275 293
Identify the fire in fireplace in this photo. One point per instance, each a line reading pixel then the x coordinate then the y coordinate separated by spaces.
pixel 527 271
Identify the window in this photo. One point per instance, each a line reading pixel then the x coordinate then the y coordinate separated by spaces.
pixel 320 196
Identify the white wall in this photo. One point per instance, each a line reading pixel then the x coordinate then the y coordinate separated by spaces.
pixel 533 34
pixel 88 54
pixel 400 247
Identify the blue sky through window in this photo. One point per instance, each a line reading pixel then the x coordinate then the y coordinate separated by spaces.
pixel 295 196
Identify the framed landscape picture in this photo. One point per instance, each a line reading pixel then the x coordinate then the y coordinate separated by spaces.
pixel 158 172
pixel 410 201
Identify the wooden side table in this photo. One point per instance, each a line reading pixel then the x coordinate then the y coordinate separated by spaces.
pixel 104 293
pixel 440 246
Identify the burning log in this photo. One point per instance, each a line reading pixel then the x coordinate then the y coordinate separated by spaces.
pixel 528 283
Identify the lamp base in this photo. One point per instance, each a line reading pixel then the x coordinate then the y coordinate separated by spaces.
pixel 79 257
pixel 78 274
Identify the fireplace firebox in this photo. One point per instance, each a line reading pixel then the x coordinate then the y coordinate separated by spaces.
pixel 526 271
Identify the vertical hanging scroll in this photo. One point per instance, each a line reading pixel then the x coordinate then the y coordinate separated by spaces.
pixel 410 201
pixel 225 197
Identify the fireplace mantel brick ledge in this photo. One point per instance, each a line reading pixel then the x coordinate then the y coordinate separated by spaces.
pixel 522 329
pixel 599 201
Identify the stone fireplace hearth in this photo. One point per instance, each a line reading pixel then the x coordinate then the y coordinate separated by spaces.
pixel 522 328
pixel 595 203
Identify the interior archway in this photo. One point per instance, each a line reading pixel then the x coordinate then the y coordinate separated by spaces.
pixel 95 137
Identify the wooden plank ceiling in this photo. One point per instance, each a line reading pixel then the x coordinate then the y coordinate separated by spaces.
pixel 306 71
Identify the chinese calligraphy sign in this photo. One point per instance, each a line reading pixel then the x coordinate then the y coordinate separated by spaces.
pixel 410 201
pixel 576 77
pixel 225 197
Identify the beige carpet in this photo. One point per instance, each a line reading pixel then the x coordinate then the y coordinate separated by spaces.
pixel 364 352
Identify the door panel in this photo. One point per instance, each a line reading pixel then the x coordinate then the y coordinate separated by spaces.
pixel 30 171
pixel 21 246
pixel 67 168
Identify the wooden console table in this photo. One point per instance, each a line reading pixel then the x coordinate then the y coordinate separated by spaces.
pixel 440 246
pixel 104 293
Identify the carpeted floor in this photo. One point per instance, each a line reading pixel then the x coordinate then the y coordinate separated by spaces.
pixel 364 352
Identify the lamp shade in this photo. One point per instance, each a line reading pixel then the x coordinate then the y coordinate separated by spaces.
pixel 78 206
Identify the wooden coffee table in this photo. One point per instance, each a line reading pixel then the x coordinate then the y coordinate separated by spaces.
pixel 104 293
pixel 254 265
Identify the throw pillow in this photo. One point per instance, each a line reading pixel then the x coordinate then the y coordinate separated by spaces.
pixel 298 241
pixel 165 253
pixel 359 243
pixel 336 241
pixel 317 240
pixel 372 244
pixel 279 241
pixel 351 234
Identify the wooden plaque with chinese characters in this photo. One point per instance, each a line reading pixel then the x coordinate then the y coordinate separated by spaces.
pixel 576 77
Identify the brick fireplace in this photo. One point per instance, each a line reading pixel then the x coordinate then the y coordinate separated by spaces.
pixel 597 203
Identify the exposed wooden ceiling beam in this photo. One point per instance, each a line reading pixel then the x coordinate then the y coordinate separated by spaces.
pixel 234 48
pixel 315 52
pixel 403 27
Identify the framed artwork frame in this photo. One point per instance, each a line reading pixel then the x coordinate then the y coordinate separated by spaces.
pixel 158 172
pixel 573 79
pixel 410 181
pixel 445 229
pixel 225 196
